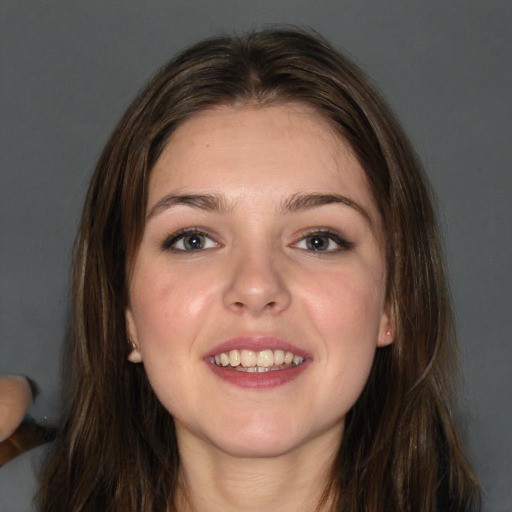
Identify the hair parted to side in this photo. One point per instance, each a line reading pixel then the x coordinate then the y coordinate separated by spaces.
pixel 117 447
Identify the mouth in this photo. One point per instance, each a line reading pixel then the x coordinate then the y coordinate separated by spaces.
pixel 256 361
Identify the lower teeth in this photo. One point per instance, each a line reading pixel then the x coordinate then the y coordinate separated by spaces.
pixel 257 369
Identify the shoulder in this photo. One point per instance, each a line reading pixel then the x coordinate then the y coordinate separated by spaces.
pixel 18 480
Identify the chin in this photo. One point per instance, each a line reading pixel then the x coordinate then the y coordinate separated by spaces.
pixel 259 445
pixel 264 436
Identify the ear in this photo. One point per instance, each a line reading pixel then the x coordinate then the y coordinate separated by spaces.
pixel 134 356
pixel 387 328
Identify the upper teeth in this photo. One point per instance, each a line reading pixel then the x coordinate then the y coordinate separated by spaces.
pixel 263 358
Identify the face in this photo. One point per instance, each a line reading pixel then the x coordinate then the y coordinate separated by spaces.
pixel 257 295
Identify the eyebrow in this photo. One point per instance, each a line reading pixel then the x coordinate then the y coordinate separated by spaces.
pixel 219 204
pixel 208 202
pixel 299 202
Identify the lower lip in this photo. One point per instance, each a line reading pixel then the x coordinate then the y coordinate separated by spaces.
pixel 258 380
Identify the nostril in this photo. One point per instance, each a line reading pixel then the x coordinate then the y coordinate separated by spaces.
pixel 241 305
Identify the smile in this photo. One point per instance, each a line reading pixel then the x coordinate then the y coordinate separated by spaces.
pixel 252 361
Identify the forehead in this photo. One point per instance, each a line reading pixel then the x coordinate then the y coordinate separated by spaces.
pixel 261 152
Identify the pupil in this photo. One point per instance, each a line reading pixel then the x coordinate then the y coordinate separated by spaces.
pixel 194 242
pixel 317 243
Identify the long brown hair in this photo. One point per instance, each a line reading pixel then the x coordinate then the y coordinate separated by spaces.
pixel 400 451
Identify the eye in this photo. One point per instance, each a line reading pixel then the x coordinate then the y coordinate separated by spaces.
pixel 323 241
pixel 189 240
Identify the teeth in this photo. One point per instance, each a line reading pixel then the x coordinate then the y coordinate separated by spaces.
pixel 297 360
pixel 247 358
pixel 234 358
pixel 264 360
pixel 278 357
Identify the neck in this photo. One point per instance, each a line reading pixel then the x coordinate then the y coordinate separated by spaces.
pixel 214 481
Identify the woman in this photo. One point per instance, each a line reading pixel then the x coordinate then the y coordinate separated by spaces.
pixel 260 319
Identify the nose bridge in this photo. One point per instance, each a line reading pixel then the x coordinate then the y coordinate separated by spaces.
pixel 255 283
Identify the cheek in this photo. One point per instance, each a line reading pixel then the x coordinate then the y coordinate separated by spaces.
pixel 346 305
pixel 166 305
pixel 168 312
pixel 346 311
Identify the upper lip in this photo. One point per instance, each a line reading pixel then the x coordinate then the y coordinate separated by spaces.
pixel 256 343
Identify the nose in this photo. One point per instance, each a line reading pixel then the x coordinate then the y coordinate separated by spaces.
pixel 255 285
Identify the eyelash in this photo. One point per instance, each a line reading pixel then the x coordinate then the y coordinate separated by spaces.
pixel 342 243
pixel 169 244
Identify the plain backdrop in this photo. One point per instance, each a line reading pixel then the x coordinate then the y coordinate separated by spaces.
pixel 69 69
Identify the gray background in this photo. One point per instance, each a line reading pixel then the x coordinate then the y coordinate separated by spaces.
pixel 69 69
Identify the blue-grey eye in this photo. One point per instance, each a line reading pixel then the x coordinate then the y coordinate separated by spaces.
pixel 193 241
pixel 323 242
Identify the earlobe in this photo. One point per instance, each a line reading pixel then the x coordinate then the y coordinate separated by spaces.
pixel 387 330
pixel 134 356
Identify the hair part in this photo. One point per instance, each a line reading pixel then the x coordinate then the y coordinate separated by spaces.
pixel 400 451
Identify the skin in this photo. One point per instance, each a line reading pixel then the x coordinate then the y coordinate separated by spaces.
pixel 258 449
pixel 15 397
